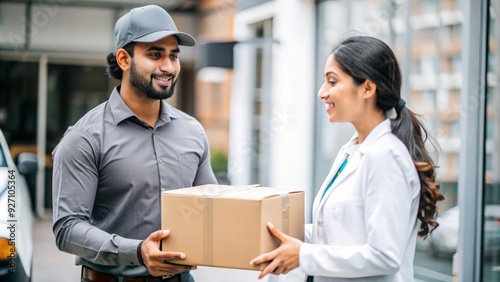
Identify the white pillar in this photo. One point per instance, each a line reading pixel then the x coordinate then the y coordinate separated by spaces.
pixel 41 135
pixel 240 146
pixel 293 96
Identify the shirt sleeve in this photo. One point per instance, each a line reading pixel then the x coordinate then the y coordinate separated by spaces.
pixel 75 181
pixel 205 174
pixel 389 223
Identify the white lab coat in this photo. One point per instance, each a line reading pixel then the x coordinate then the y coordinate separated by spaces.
pixel 365 226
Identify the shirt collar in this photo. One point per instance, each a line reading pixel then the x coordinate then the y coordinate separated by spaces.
pixel 379 130
pixel 168 112
pixel 121 111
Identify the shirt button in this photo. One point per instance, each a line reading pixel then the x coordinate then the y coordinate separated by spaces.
pixel 160 161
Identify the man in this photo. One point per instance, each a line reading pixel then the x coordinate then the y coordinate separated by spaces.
pixel 111 166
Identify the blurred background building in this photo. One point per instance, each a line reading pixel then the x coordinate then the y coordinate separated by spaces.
pixel 252 82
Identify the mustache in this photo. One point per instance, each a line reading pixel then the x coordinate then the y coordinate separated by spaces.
pixel 169 75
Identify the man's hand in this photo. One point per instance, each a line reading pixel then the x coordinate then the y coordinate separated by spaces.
pixel 284 258
pixel 156 261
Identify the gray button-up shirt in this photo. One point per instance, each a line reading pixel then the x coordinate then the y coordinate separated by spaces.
pixel 109 170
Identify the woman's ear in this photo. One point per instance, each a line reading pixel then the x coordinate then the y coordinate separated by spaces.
pixel 369 88
pixel 123 59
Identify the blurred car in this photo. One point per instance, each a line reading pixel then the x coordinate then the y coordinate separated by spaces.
pixel 16 216
pixel 443 240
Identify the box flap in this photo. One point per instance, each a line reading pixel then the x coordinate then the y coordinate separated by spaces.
pixel 232 192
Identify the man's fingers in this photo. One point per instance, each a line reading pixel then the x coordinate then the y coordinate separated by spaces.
pixel 166 268
pixel 173 255
pixel 162 234
pixel 176 268
pixel 180 267
pixel 158 235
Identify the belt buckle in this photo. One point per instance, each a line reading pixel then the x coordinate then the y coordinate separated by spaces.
pixel 167 276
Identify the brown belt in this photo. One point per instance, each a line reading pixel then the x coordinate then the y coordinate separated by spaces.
pixel 90 275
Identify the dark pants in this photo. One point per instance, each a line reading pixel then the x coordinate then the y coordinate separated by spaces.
pixel 90 275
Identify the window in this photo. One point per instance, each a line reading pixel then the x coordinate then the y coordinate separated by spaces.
pixel 455 128
pixel 429 99
pixel 429 6
pixel 428 64
pixel 456 63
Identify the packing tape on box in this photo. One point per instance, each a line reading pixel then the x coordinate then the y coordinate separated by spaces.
pixel 285 213
pixel 208 230
pixel 208 215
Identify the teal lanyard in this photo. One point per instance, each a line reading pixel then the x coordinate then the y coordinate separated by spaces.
pixel 335 177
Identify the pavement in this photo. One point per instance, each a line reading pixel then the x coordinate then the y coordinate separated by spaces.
pixel 52 265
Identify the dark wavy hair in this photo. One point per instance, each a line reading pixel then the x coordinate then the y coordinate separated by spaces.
pixel 363 58
pixel 113 69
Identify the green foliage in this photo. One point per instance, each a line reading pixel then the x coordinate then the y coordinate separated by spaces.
pixel 219 161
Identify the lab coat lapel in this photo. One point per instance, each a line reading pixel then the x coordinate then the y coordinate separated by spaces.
pixel 356 155
pixel 351 166
pixel 335 167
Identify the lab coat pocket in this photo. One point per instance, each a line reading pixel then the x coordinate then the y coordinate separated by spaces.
pixel 347 221
pixel 345 209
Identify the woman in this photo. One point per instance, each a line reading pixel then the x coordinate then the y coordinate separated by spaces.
pixel 365 214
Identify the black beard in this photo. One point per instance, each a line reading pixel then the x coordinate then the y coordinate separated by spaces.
pixel 146 87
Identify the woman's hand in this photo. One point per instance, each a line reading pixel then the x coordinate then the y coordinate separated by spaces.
pixel 284 258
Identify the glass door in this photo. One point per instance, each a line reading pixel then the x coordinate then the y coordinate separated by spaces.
pixel 491 211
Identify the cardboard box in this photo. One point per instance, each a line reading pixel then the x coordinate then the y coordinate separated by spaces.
pixel 225 226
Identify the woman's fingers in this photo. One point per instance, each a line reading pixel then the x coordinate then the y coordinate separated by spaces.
pixel 263 258
pixel 279 270
pixel 281 260
pixel 276 233
pixel 270 268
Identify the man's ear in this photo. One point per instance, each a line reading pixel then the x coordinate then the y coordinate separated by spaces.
pixel 123 59
pixel 369 88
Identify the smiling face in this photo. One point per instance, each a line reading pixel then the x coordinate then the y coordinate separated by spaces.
pixel 155 67
pixel 344 100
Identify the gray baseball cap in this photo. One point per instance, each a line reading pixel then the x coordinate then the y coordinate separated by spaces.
pixel 148 24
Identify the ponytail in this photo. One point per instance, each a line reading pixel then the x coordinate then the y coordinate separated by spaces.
pixel 413 134
pixel 113 69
